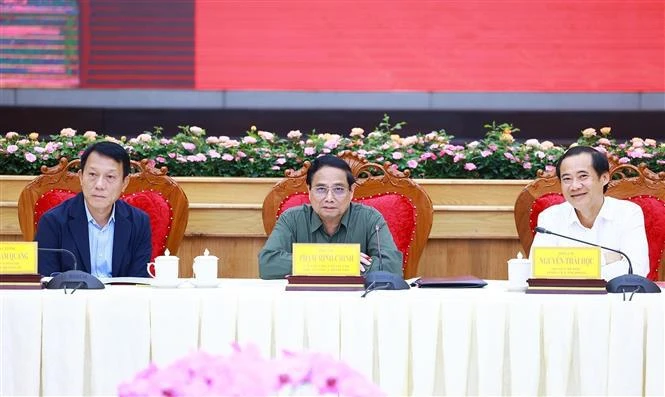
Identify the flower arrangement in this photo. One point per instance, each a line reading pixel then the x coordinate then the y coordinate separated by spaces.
pixel 246 373
pixel 191 152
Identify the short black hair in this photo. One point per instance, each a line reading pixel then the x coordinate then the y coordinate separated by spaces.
pixel 108 149
pixel 330 161
pixel 599 160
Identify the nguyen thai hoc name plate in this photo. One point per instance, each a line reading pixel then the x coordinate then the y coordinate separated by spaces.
pixel 566 262
pixel 18 257
pixel 326 259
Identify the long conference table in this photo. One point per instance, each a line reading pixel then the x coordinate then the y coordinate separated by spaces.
pixel 488 341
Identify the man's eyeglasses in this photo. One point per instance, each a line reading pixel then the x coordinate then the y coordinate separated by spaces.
pixel 337 191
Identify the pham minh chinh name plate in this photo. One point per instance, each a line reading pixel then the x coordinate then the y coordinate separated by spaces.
pixel 326 259
pixel 18 257
pixel 566 262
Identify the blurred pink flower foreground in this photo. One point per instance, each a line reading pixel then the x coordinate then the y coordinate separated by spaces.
pixel 246 373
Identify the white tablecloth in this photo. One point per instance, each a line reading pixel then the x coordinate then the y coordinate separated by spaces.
pixel 417 342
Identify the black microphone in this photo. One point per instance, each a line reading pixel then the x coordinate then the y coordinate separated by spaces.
pixel 628 282
pixel 73 279
pixel 381 279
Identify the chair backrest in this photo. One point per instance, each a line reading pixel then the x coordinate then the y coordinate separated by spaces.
pixel 404 204
pixel 637 184
pixel 149 189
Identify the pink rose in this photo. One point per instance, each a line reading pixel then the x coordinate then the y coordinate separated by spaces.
pixel 68 132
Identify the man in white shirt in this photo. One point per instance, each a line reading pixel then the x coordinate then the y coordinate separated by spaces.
pixel 590 216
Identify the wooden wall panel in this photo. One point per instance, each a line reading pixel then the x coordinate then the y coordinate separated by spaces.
pixel 485 258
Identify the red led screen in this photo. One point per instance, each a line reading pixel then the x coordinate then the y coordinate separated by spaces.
pixel 465 45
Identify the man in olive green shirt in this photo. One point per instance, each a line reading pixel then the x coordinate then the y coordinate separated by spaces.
pixel 330 218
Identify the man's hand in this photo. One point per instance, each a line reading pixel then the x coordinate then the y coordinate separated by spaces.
pixel 611 257
pixel 365 261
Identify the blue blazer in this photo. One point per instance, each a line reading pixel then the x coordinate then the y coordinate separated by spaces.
pixel 66 226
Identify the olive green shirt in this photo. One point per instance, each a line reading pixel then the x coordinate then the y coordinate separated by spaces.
pixel 302 225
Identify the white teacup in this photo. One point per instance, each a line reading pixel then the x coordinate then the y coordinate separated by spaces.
pixel 164 267
pixel 205 266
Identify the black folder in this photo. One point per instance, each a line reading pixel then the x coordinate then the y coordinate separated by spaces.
pixel 449 282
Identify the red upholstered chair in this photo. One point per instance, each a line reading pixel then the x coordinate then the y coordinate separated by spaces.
pixel 403 203
pixel 149 189
pixel 637 184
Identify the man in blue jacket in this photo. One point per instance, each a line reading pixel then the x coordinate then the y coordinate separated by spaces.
pixel 108 237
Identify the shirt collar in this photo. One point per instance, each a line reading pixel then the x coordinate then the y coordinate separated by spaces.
pixel 317 223
pixel 92 220
pixel 604 213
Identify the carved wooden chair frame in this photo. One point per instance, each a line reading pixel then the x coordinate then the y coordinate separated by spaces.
pixel 390 181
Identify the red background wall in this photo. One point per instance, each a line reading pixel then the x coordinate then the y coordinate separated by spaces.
pixel 470 46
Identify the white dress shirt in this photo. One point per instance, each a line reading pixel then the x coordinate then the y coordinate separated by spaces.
pixel 619 225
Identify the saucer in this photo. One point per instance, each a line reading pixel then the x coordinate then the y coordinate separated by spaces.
pixel 213 283
pixel 173 283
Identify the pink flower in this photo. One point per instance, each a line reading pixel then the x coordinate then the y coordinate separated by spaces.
pixel 412 163
pixel 172 155
pixel 280 161
pixel 398 155
pixel 30 157
pixel 509 156
pixel 356 131
pixel 268 136
pixel 428 155
pixel 212 140
pixel 309 151
pixel 331 143
pixel 249 140
pixel 68 132
pixel 294 134
pixel 188 146
pixel 90 135
pixel 241 154
pixel 12 148
pixel 470 166
pixel 160 159
pixel 227 157
pixel 11 135
pixel 550 168
pixel 624 160
pixel 486 153
pixel 636 154
pixel 546 145
pixel 526 166
pixel 213 154
pixel 637 142
pixel 197 131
